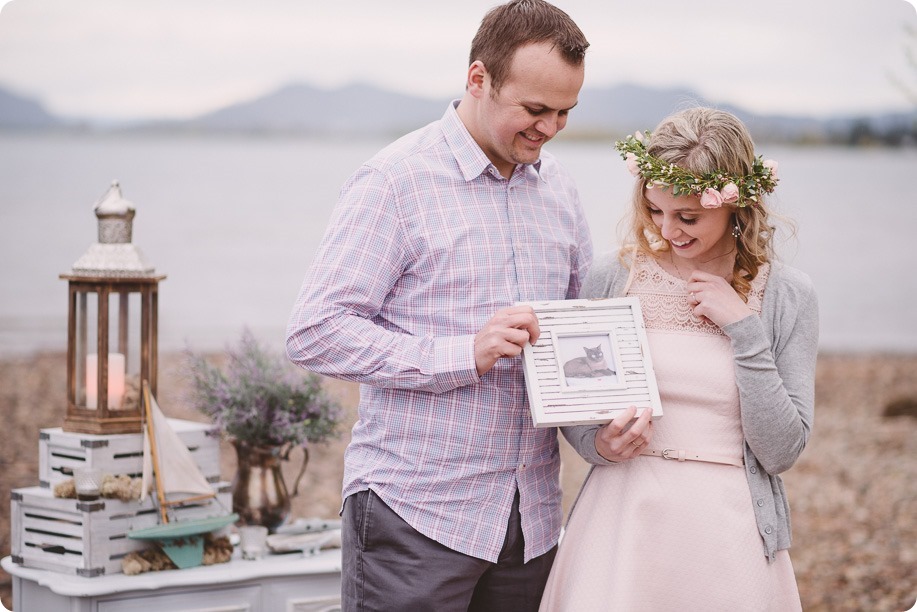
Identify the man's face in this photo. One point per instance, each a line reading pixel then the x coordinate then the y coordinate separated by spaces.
pixel 530 108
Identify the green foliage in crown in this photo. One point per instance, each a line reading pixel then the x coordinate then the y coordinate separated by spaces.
pixel 714 188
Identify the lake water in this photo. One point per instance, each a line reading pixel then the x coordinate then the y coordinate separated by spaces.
pixel 235 221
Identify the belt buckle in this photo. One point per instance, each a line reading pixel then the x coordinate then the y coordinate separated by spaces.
pixel 665 454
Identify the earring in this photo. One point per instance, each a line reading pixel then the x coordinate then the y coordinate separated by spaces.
pixel 736 232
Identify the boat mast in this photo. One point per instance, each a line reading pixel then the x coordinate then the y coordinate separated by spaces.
pixel 148 411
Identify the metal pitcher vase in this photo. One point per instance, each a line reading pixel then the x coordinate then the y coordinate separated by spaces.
pixel 259 492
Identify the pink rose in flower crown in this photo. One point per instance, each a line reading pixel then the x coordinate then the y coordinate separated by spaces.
pixel 631 160
pixel 730 193
pixel 772 166
pixel 711 198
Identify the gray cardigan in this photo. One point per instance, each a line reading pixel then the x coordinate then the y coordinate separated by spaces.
pixel 775 373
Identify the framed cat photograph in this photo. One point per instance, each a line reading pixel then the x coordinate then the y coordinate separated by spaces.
pixel 591 362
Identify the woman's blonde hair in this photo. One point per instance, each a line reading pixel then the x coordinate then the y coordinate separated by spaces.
pixel 701 140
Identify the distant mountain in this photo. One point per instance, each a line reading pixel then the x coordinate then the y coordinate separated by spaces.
pixel 18 112
pixel 601 113
pixel 625 108
pixel 364 110
pixel 355 109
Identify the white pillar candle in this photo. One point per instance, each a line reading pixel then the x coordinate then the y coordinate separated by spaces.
pixel 116 371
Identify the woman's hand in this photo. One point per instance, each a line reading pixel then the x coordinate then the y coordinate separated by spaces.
pixel 714 298
pixel 625 436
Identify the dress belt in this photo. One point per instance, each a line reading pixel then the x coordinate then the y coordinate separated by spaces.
pixel 684 455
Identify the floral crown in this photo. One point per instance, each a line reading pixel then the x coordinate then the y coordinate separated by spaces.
pixel 714 188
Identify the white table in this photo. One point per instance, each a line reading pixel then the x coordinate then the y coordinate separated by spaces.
pixel 281 583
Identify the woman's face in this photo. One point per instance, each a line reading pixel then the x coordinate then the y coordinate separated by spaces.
pixel 692 231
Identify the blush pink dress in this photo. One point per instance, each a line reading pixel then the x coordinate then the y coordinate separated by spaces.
pixel 652 534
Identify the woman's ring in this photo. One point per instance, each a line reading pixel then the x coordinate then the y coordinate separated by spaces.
pixel 635 443
pixel 694 298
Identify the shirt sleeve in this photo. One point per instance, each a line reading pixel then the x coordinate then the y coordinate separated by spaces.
pixel 336 329
pixel 776 375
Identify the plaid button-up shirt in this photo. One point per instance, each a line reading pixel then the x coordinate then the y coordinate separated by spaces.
pixel 427 242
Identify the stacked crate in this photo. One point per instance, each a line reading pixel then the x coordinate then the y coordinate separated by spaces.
pixel 61 452
pixel 89 538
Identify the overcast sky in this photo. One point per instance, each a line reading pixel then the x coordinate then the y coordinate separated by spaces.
pixel 129 59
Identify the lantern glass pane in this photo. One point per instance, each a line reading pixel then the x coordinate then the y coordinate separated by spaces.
pixel 115 359
pixel 126 338
pixel 85 343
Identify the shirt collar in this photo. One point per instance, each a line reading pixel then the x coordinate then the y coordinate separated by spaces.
pixel 471 158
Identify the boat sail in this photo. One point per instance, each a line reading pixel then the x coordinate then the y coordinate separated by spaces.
pixel 169 466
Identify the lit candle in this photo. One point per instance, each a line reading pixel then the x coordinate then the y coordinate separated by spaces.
pixel 116 371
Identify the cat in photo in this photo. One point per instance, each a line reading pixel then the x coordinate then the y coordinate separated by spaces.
pixel 590 366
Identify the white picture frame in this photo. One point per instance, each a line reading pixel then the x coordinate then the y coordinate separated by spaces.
pixel 591 362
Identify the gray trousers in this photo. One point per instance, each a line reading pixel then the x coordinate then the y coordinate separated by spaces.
pixel 390 566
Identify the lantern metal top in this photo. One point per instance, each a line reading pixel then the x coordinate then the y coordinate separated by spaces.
pixel 114 255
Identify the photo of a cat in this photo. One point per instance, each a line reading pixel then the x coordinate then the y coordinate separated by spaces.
pixel 588 360
pixel 590 363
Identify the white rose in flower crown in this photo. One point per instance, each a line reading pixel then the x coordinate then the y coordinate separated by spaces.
pixel 711 198
pixel 730 193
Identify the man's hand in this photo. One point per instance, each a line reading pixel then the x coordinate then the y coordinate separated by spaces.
pixel 504 336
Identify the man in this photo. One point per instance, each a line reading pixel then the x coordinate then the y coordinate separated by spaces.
pixel 451 496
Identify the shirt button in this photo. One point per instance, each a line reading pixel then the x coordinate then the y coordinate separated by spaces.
pixel 521 466
pixel 768 530
pixel 760 503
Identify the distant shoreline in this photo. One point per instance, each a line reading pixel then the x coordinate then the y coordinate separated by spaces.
pixel 865 138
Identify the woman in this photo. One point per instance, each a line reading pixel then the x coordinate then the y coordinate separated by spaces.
pixel 733 335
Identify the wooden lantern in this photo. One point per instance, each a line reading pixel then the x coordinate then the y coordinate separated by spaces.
pixel 112 326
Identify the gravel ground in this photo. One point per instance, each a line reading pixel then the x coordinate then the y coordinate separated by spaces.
pixel 853 493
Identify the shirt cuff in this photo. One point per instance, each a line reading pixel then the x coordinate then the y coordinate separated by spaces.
pixel 747 336
pixel 454 362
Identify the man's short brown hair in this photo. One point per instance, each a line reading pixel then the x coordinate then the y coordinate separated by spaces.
pixel 509 26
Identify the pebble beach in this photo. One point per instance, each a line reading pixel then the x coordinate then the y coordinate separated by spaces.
pixel 852 494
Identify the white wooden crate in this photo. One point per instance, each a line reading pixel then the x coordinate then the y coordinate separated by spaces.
pixel 60 452
pixel 88 538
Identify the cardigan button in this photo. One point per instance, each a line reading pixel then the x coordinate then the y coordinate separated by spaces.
pixel 753 470
pixel 768 530
pixel 761 504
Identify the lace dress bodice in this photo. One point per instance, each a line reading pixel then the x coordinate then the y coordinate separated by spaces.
pixel 664 299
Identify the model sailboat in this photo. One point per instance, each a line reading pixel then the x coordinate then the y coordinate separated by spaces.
pixel 169 466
